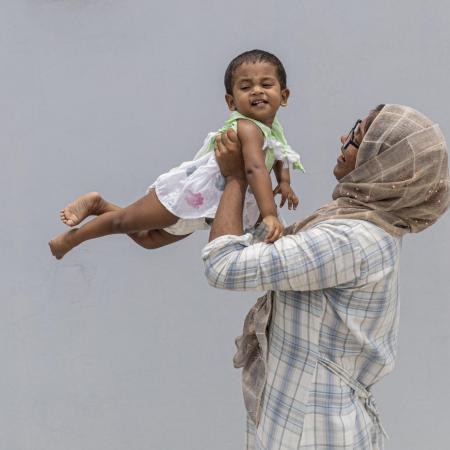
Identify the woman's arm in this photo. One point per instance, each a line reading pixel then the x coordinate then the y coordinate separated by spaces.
pixel 325 256
pixel 228 218
pixel 229 212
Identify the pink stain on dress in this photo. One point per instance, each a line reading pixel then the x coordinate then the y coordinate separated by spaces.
pixel 194 199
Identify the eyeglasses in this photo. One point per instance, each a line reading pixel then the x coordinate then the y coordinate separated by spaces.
pixel 351 137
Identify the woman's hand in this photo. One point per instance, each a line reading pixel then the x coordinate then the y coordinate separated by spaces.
pixel 286 192
pixel 229 155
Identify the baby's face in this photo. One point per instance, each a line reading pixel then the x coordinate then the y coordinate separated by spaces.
pixel 257 92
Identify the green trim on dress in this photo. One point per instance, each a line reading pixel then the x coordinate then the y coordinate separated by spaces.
pixel 275 142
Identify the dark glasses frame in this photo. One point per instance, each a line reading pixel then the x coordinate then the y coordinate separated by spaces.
pixel 351 137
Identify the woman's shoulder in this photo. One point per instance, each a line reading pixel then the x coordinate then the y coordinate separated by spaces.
pixel 369 237
pixel 358 227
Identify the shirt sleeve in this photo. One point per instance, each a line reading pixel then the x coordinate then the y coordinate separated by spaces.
pixel 324 256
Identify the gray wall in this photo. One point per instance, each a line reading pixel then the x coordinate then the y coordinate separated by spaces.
pixel 119 348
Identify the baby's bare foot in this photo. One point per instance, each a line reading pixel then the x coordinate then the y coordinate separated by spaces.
pixel 62 243
pixel 82 207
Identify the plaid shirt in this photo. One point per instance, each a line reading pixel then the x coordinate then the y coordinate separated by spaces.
pixel 335 300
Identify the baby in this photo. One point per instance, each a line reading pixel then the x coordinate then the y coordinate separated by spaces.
pixel 186 198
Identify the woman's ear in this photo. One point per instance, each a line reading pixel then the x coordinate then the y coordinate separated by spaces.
pixel 230 102
pixel 284 96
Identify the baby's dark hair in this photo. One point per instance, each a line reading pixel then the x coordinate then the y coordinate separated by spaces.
pixel 253 56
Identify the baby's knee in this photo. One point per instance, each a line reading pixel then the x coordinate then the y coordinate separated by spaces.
pixel 151 244
pixel 148 239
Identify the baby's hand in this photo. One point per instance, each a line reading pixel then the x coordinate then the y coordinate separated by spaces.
pixel 284 188
pixel 274 228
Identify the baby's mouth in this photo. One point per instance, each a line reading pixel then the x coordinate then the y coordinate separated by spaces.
pixel 259 102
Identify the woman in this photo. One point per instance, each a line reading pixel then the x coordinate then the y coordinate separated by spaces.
pixel 326 330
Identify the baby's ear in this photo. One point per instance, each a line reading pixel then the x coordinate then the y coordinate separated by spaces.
pixel 230 102
pixel 284 96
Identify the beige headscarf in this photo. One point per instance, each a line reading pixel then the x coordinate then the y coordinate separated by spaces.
pixel 400 183
pixel 401 179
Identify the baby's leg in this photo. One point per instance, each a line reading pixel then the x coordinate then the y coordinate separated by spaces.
pixel 149 239
pixel 146 214
pixel 93 203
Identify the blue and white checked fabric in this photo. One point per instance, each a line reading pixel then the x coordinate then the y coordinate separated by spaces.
pixel 335 299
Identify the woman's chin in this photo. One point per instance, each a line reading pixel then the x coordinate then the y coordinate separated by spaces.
pixel 337 173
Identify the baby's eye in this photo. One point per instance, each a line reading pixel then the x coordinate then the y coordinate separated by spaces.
pixel 267 85
pixel 245 87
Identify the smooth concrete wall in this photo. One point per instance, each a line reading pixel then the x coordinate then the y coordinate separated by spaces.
pixel 115 347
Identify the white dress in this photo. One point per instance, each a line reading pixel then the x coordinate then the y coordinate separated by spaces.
pixel 192 190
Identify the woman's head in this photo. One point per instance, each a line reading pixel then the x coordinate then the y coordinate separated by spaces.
pixel 351 141
pixel 400 175
pixel 255 84
pixel 397 175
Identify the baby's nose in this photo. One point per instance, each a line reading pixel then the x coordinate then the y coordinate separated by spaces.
pixel 343 138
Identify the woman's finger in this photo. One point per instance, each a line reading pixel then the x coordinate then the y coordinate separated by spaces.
pixel 219 146
pixel 232 135
pixel 225 140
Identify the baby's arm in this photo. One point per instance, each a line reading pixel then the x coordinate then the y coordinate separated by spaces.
pixel 281 173
pixel 258 177
pixel 284 186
